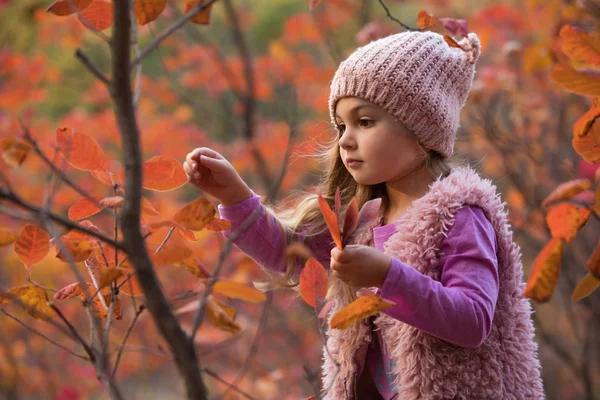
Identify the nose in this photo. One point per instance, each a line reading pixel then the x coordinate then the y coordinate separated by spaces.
pixel 347 141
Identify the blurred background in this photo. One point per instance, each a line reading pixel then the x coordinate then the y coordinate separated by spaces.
pixel 244 85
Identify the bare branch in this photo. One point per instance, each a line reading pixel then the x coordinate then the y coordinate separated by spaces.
pixel 85 60
pixel 86 347
pixel 36 148
pixel 178 24
pixel 122 96
pixel 125 337
pixel 231 385
pixel 37 212
pixel 390 16
pixel 44 336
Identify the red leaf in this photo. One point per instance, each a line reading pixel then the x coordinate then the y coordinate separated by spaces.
pixel 350 221
pixel 84 208
pixel 32 245
pixel 98 16
pixel 366 217
pixel 313 282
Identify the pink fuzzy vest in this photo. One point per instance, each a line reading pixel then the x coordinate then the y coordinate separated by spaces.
pixel 504 367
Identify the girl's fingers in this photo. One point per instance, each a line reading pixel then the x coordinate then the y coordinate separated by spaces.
pixel 205 151
pixel 211 163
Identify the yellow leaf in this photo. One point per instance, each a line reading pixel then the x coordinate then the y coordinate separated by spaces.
pixel 237 290
pixel 359 309
pixel 34 299
pixel 546 269
pixel 80 250
pixel 585 287
pixel 222 316
pixel 7 238
pixel 14 151
pixel 195 215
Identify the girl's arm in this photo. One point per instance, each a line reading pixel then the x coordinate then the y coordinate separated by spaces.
pixel 460 307
pixel 263 240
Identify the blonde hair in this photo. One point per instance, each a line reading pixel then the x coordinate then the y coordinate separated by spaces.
pixel 300 212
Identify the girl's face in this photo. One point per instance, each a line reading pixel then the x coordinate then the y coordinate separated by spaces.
pixel 374 146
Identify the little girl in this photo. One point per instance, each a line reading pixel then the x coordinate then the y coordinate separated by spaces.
pixel 441 249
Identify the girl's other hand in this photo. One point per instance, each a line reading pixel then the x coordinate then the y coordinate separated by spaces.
pixel 213 174
pixel 360 266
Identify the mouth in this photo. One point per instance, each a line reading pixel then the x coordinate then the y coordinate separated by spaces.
pixel 352 163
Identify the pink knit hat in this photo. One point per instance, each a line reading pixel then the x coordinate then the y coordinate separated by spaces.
pixel 416 77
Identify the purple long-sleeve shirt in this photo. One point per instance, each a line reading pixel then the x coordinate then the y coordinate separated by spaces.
pixel 458 309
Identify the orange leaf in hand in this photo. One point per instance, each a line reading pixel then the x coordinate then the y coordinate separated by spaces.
pixel 359 309
pixel 331 221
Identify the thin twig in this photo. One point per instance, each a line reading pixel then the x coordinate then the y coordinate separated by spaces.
pixel 86 347
pixel 125 337
pixel 85 60
pixel 178 24
pixel 44 336
pixel 13 198
pixel 230 385
pixel 390 16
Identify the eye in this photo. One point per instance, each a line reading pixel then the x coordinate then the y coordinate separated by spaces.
pixel 365 122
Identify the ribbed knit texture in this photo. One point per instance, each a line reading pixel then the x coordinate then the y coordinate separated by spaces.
pixel 416 77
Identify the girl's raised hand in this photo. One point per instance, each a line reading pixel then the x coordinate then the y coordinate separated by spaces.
pixel 213 174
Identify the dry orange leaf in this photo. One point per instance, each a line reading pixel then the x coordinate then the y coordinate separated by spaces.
pixel 203 17
pixel 331 221
pixel 84 208
pixel 148 208
pixel 218 225
pixel 80 250
pixel 593 263
pixel 237 290
pixel 67 7
pixel 451 42
pixel 195 215
pixel 81 151
pixel 426 20
pixel 581 82
pixel 104 176
pixel 14 152
pixel 586 136
pixel 111 202
pixel 163 173
pixel 34 299
pixel 98 16
pixel 32 245
pixel 99 309
pixel 194 267
pixel 359 309
pixel 566 219
pixel 108 276
pixel 170 255
pixel 69 292
pixel 313 282
pixel 7 238
pixel 148 10
pixel 580 46
pixel 187 234
pixel 222 316
pixel 566 191
pixel 545 272
pixel 585 287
